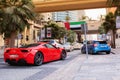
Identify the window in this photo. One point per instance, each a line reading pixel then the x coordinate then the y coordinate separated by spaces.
pixel 33 34
pixel 30 45
pixel 49 46
pixel 101 42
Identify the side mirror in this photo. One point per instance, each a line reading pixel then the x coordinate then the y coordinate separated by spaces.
pixel 58 47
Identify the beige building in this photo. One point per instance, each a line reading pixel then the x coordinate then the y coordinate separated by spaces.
pixel 92 32
pixel 46 16
pixel 33 34
pixel 29 35
pixel 1 40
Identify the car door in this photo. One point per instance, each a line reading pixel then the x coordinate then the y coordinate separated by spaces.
pixel 53 51
pixel 47 53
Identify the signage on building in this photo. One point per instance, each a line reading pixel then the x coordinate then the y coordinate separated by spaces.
pixel 118 22
pixel 48 32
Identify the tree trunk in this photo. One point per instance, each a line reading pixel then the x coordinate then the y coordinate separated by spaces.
pixel 113 40
pixel 12 40
pixel 79 37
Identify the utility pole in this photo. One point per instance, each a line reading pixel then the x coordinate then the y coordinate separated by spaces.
pixel 84 29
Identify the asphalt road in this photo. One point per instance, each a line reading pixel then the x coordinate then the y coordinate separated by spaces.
pixel 75 67
pixel 30 72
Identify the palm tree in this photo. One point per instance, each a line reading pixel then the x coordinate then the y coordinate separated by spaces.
pixel 14 16
pixel 86 18
pixel 109 25
pixel 71 36
pixel 115 3
pixel 101 30
pixel 39 18
pixel 67 18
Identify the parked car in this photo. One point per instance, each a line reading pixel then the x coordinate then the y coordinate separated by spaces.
pixel 56 43
pixel 36 53
pixel 96 46
pixel 77 46
pixel 68 47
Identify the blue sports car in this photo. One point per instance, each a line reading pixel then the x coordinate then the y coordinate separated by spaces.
pixel 96 46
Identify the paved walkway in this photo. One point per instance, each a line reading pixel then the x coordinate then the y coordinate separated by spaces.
pixel 100 67
pixel 96 67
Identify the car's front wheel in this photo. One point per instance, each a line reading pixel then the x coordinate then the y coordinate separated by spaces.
pixel 38 59
pixel 82 51
pixel 63 55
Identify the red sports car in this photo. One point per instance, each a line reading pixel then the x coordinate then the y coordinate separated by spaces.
pixel 36 53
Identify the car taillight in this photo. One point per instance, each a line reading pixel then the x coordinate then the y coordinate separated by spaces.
pixel 7 51
pixel 95 45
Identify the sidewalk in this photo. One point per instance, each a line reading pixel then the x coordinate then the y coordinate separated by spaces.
pixel 96 67
pixel 116 51
pixel 100 67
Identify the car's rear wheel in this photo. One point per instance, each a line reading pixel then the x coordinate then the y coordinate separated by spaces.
pixel 11 63
pixel 108 52
pixel 63 55
pixel 38 59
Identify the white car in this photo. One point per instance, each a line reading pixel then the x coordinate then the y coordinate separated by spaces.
pixel 68 47
pixel 55 43
pixel 77 45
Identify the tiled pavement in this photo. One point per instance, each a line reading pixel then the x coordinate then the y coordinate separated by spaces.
pixel 96 67
pixel 101 67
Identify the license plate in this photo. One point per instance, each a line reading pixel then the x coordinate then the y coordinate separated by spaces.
pixel 102 46
pixel 14 56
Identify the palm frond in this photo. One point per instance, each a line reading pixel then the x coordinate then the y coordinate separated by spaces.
pixel 113 2
pixel 14 15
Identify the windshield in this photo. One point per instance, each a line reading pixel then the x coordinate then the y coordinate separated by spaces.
pixel 101 42
pixel 30 45
pixel 51 42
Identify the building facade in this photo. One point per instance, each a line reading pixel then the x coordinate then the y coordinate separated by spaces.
pixel 73 15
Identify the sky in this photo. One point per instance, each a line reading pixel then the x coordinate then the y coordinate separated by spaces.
pixel 95 13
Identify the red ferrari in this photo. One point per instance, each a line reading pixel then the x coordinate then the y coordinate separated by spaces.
pixel 36 53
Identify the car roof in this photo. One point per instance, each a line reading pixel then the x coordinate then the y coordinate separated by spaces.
pixel 99 41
